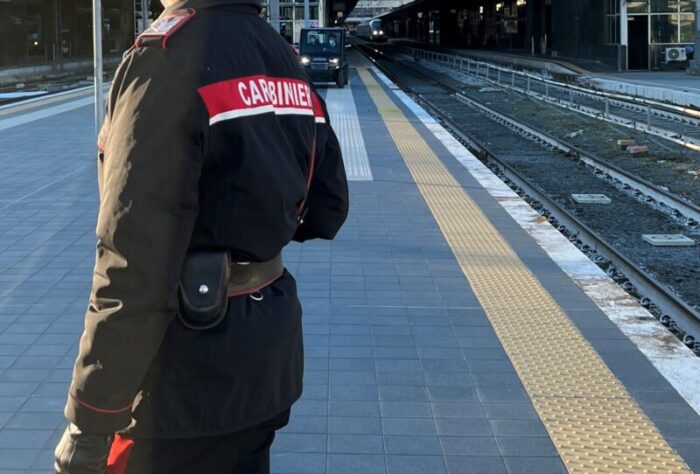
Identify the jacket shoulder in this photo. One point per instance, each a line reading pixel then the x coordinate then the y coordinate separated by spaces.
pixel 165 27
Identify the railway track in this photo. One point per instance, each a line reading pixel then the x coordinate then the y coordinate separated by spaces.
pixel 680 125
pixel 517 152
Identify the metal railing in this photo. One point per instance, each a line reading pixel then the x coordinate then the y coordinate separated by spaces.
pixel 632 112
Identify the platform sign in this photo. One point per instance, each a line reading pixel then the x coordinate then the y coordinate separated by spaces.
pixel 510 26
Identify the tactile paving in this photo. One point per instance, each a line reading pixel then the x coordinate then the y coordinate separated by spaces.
pixel 592 420
pixel 343 114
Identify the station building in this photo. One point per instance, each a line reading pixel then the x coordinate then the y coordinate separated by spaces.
pixel 53 31
pixel 627 34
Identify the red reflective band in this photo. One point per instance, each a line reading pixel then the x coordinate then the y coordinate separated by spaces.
pixel 255 95
pixel 119 455
pixel 100 410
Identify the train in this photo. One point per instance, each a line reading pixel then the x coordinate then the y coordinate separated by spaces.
pixel 372 30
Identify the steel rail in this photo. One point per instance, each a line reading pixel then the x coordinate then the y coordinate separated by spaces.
pixel 685 317
pixel 627 103
pixel 660 107
pixel 683 207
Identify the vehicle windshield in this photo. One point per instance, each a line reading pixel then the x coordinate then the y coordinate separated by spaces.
pixel 320 42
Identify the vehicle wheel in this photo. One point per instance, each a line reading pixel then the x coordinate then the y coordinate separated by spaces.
pixel 347 77
pixel 341 80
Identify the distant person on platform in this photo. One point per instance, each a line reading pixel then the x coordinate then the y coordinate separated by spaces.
pixel 215 153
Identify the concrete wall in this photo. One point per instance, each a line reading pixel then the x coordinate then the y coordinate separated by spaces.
pixel 578 30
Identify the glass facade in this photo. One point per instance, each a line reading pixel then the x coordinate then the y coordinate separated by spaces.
pixel 655 25
pixel 290 17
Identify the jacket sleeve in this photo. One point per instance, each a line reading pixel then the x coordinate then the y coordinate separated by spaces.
pixel 152 153
pixel 327 202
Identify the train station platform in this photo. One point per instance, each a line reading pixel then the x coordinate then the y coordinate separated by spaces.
pixel 448 328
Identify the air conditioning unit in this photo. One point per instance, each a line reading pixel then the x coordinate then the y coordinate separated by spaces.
pixel 675 54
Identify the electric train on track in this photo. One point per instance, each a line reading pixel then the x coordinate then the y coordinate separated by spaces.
pixel 371 30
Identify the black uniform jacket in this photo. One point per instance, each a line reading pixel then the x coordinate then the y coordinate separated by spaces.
pixel 208 143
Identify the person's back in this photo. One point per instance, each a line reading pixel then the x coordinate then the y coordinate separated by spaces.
pixel 214 139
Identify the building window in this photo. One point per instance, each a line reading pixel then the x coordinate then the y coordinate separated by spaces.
pixel 687 27
pixel 664 6
pixel 687 5
pixel 664 29
pixel 637 6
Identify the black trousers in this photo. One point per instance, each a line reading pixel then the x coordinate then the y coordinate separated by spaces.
pixel 243 452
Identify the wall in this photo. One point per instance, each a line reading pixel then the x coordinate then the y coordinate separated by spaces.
pixel 578 30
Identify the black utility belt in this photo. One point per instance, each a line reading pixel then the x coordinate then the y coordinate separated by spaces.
pixel 209 279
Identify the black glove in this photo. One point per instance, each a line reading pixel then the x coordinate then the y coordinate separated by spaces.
pixel 82 453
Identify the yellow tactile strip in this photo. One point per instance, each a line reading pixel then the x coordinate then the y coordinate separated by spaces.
pixel 592 420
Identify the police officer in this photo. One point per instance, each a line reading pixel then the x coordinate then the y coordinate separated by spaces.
pixel 214 141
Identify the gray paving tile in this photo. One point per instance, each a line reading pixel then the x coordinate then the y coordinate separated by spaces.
pixel 444 365
pixel 510 411
pixel 403 394
pixel 502 394
pixel 524 465
pixel 315 392
pixel 449 379
pixel 16 458
pixel 43 462
pixel 352 364
pixel 294 463
pixel 686 448
pixel 17 389
pixel 306 424
pixel 354 392
pixel 11 404
pixel 463 427
pixel 683 429
pixel 408 426
pixel 418 445
pixel 343 377
pixel 24 439
pixel 402 365
pixel 458 410
pixel 693 464
pixel 299 443
pixel 355 444
pixel 449 393
pixel 354 408
pixel 476 465
pixel 405 464
pixel 526 446
pixel 356 463
pixel 406 410
pixel 469 445
pixel 518 428
pixel 310 407
pixel 353 425
pixel 35 421
pixel 400 378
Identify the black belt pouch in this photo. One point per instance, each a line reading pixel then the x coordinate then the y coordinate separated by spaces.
pixel 203 288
